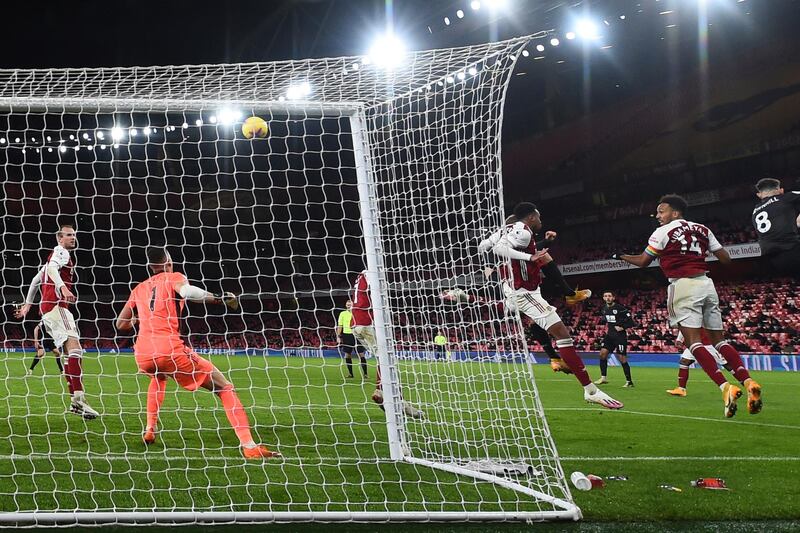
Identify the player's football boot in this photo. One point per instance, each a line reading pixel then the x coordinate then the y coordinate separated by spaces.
pixel 677 391
pixel 579 296
pixel 601 398
pixel 558 365
pixel 730 393
pixel 149 436
pixel 628 385
pixel 753 396
pixel 259 452
pixel 79 407
pixel 602 381
pixel 412 411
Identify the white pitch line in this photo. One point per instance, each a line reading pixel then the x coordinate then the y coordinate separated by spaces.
pixel 679 458
pixel 371 461
pixel 685 417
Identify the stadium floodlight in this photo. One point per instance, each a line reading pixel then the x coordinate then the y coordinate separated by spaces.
pixel 16 139
pixel 298 91
pixel 117 133
pixel 460 13
pixel 133 132
pixel 475 5
pixel 184 125
pixel 447 21
pixel 85 136
pixel 99 134
pixel 212 119
pixel 525 53
pixel 49 138
pixel 388 51
pixel 472 71
pixel 198 122
pixel 570 35
pixel 62 148
pixel 587 29
pixel 228 116
pixel 540 48
pixel 554 41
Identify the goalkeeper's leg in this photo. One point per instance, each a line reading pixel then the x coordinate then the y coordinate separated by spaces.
pixel 236 414
pixel 155 397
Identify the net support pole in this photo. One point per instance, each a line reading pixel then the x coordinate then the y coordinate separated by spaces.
pixel 392 401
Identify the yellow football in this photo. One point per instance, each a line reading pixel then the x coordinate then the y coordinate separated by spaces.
pixel 255 127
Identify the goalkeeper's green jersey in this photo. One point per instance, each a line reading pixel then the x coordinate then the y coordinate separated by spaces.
pixel 440 340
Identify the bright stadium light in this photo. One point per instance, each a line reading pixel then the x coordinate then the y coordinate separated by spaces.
pixel 2 140
pixel 586 29
pixel 525 53
pixel 570 35
pixel 117 133
pixel 472 71
pixel 540 48
pixel 86 136
pixel 475 5
pixel 447 21
pixel 388 51
pixel 62 148
pixel 184 125
pixel 554 41
pixel 229 116
pixel 198 122
pixel 212 119
pixel 460 14
pixel 298 91
pixel 100 135
pixel 133 132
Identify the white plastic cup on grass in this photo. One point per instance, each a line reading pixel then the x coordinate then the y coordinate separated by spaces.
pixel 580 481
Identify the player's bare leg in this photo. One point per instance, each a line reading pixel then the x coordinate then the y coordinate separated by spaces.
pixel 237 416
pixel 155 397
pixel 567 350
pixel 737 368
pixel 73 374
pixel 603 355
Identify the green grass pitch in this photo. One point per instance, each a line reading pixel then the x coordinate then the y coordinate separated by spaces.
pixel 51 460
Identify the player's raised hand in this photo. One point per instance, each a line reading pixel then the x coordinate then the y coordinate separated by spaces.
pixel 67 295
pixel 22 310
pixel 540 254
pixel 229 299
pixel 550 235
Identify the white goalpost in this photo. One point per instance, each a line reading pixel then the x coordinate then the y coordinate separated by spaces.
pixel 393 172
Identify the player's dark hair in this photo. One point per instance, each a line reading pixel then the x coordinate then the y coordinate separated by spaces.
pixel 768 184
pixel 523 209
pixel 156 256
pixel 608 292
pixel 676 202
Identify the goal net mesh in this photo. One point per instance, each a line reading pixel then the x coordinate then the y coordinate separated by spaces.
pixel 141 157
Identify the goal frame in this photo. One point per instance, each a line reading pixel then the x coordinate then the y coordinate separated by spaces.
pixel 356 114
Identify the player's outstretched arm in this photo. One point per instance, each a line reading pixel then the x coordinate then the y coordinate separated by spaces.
pixel 29 298
pixel 196 294
pixel 642 260
pixel 126 319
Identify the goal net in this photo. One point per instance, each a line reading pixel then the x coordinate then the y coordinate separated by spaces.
pixel 394 172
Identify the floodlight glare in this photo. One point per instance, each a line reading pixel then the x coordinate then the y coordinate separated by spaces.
pixel 587 29
pixel 117 133
pixel 460 14
pixel 447 21
pixel 554 41
pixel 228 116
pixel 475 5
pixel 540 48
pixel 298 91
pixel 388 51
pixel 570 35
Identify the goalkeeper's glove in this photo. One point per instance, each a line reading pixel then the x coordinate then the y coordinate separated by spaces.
pixel 616 256
pixel 229 299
